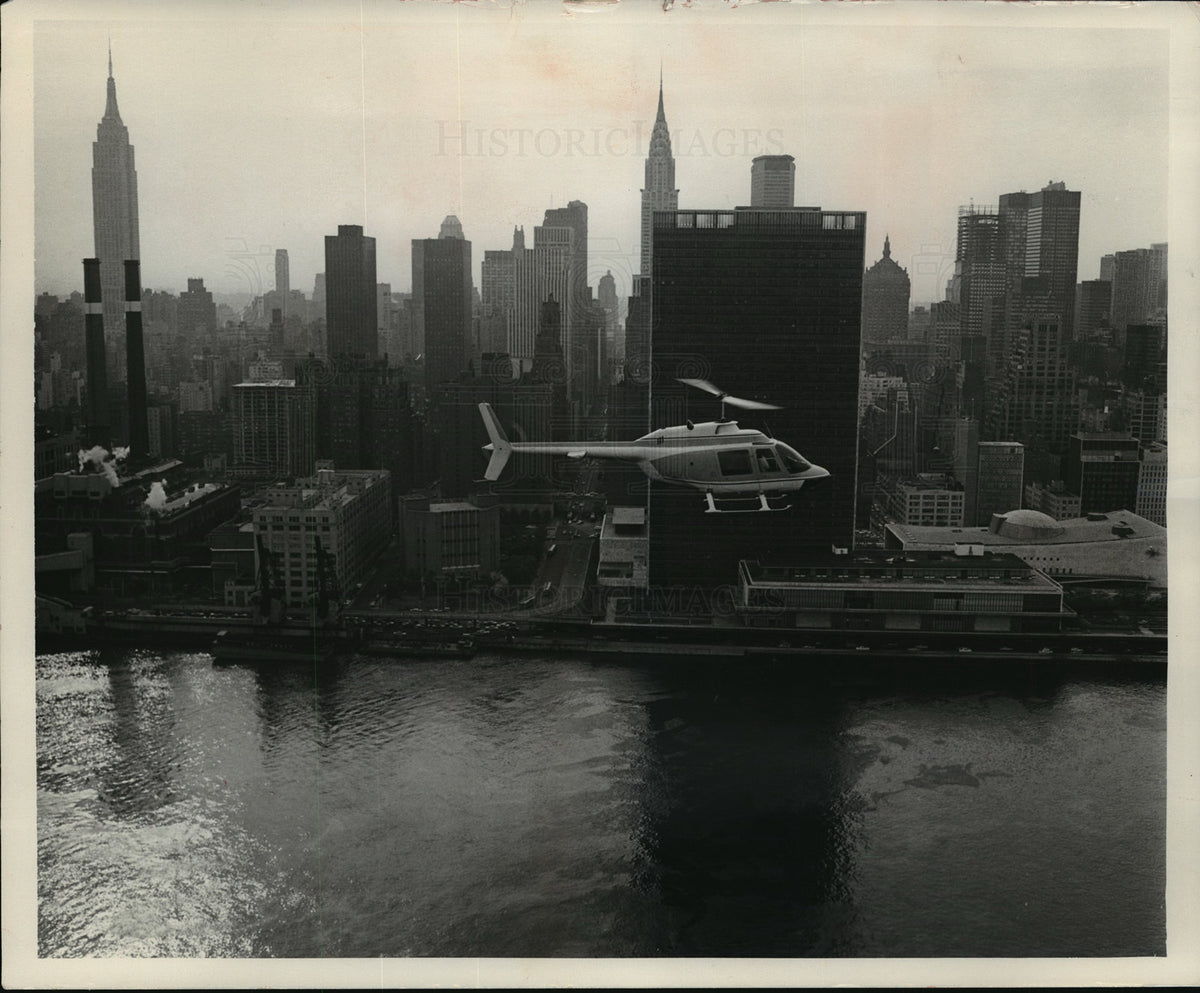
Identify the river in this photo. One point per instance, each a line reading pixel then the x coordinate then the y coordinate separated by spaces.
pixel 564 806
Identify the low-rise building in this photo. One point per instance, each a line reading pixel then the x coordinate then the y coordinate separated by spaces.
pixel 623 549
pixel 234 560
pixel 1118 545
pixel 148 528
pixel 1052 499
pixel 347 513
pixel 449 537
pixel 963 589
pixel 930 499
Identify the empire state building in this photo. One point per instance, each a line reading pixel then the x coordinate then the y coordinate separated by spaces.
pixel 114 211
pixel 659 192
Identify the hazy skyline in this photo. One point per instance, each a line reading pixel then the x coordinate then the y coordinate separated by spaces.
pixel 256 133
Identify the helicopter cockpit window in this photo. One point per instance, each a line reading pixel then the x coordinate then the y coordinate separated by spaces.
pixel 791 461
pixel 734 462
pixel 766 460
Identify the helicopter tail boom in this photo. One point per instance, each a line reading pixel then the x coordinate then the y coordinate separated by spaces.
pixel 501 447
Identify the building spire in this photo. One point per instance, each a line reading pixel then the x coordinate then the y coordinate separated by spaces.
pixel 661 114
pixel 110 107
pixel 887 247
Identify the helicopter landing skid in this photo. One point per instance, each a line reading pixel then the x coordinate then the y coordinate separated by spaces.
pixel 760 504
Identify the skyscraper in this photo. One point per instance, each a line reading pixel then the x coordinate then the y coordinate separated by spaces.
pixel 350 303
pixel 1001 472
pixel 271 428
pixel 510 292
pixel 114 209
pixel 659 192
pixel 606 295
pixel 196 311
pixel 575 217
pixel 980 269
pixel 773 182
pixel 1034 400
pixel 1093 301
pixel 283 279
pixel 1145 358
pixel 1041 235
pixel 886 289
pixel 1137 287
pixel 441 274
pixel 1103 468
pixel 553 251
pixel 578 349
pixel 768 305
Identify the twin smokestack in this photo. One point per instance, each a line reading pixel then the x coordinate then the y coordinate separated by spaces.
pixel 99 426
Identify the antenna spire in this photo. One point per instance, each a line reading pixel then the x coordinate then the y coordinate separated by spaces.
pixel 110 75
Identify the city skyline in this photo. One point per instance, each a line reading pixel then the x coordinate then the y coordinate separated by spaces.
pixel 360 137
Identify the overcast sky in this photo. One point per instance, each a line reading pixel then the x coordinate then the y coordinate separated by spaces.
pixel 259 127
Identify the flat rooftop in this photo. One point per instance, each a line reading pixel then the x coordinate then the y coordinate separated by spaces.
pixel 629 516
pixel 911 568
pixel 1073 531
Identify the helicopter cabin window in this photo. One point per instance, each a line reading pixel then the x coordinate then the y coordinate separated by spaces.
pixel 791 461
pixel 766 460
pixel 734 462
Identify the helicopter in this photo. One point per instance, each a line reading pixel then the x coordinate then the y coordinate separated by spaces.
pixel 739 470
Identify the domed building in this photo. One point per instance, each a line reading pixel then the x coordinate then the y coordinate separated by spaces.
pixel 885 293
pixel 1026 525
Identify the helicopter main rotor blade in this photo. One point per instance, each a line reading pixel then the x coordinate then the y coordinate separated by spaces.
pixel 702 384
pixel 707 387
pixel 749 404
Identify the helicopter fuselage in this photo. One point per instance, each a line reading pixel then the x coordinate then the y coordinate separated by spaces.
pixel 717 457
pixel 724 459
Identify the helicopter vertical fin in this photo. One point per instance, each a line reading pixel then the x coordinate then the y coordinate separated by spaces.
pixel 500 447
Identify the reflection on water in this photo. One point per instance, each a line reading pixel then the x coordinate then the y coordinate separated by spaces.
pixel 563 807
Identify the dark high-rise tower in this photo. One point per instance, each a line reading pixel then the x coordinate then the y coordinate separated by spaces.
pixel 114 207
pixel 659 192
pixel 351 318
pixel 767 304
pixel 441 272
